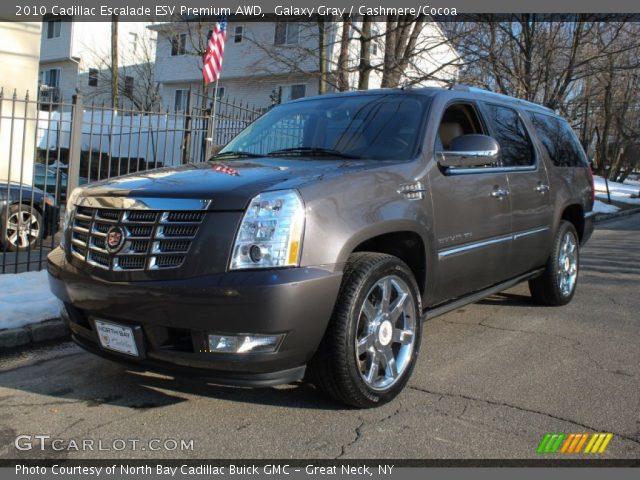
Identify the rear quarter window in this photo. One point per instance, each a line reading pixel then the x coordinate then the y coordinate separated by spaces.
pixel 559 140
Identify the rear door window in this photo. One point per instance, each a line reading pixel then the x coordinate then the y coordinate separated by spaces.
pixel 516 148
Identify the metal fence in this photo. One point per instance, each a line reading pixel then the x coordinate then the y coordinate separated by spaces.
pixel 49 145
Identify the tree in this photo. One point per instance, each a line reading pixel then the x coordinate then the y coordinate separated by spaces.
pixel 135 81
pixel 419 52
pixel 585 68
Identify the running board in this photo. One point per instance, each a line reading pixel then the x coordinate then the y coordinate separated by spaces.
pixel 477 296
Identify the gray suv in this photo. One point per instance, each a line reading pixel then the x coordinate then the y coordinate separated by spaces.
pixel 317 241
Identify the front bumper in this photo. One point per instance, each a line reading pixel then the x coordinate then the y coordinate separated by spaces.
pixel 175 317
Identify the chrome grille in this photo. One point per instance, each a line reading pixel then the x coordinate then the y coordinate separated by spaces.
pixel 153 240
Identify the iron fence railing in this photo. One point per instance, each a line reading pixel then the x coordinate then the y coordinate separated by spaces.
pixel 49 145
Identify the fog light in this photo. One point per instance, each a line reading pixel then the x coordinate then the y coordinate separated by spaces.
pixel 244 343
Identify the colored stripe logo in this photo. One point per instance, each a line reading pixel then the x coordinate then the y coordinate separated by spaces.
pixel 569 443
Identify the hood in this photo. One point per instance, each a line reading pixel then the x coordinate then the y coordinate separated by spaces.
pixel 230 185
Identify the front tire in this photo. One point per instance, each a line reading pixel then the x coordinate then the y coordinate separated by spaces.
pixel 557 285
pixel 372 342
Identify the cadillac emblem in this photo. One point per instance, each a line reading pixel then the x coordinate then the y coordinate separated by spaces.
pixel 114 240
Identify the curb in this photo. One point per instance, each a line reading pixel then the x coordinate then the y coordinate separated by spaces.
pixel 601 217
pixel 46 331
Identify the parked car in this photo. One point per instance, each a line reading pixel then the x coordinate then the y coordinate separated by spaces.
pixel 27 215
pixel 53 180
pixel 319 239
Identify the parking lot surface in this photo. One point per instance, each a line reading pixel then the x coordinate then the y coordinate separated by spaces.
pixel 492 379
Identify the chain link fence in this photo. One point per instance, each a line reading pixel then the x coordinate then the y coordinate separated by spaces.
pixel 49 145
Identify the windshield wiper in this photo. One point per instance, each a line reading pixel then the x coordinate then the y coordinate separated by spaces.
pixel 312 151
pixel 238 153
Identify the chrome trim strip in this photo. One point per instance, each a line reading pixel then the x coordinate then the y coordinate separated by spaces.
pixel 473 246
pixel 526 233
pixel 124 203
pixel 469 171
pixel 492 241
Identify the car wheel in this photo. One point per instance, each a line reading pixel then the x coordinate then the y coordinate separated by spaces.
pixel 23 228
pixel 557 285
pixel 372 342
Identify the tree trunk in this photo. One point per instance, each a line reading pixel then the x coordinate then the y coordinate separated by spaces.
pixel 364 69
pixel 343 57
pixel 114 61
pixel 322 56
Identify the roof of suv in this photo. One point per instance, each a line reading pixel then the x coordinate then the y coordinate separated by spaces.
pixel 479 93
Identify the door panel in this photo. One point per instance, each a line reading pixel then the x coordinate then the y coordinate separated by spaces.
pixel 472 231
pixel 528 188
pixel 531 217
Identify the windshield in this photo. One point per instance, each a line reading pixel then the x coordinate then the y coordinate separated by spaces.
pixel 379 127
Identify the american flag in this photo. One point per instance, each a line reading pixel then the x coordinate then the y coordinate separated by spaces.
pixel 215 51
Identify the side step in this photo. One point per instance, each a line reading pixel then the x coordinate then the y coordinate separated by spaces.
pixel 428 314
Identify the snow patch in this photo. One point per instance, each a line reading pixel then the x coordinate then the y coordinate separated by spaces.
pixel 627 192
pixel 25 298
pixel 601 207
pixel 627 188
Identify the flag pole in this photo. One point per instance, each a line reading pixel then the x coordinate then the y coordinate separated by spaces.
pixel 213 112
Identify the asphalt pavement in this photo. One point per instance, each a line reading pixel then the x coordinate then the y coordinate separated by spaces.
pixel 492 379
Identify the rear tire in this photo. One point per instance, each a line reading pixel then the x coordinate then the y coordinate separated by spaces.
pixel 372 342
pixel 557 285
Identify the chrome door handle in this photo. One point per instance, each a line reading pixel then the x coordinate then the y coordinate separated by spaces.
pixel 542 188
pixel 499 193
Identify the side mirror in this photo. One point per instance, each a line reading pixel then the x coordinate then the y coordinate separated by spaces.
pixel 467 151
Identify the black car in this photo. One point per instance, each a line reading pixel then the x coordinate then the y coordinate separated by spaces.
pixel 27 215
pixel 53 180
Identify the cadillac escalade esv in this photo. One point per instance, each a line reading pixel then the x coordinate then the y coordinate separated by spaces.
pixel 319 239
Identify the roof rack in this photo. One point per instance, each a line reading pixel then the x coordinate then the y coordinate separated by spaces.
pixel 483 91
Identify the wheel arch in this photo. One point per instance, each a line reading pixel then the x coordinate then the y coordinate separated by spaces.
pixel 574 214
pixel 403 243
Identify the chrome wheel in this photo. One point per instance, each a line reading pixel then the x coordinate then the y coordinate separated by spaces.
pixel 568 264
pixel 385 333
pixel 23 229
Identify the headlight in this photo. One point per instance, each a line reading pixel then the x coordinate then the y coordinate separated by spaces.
pixel 270 234
pixel 68 211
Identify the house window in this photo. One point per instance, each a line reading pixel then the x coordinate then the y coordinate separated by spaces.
pixel 375 36
pixel 53 28
pixel 220 92
pixel 93 77
pixel 51 78
pixel 287 33
pixel 290 92
pixel 179 45
pixel 133 41
pixel 298 91
pixel 181 100
pixel 237 34
pixel 128 85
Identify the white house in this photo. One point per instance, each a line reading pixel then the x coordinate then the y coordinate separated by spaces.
pixel 272 62
pixel 19 51
pixel 75 56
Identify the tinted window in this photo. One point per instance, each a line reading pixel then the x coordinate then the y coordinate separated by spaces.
pixel 559 140
pixel 384 127
pixel 516 149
